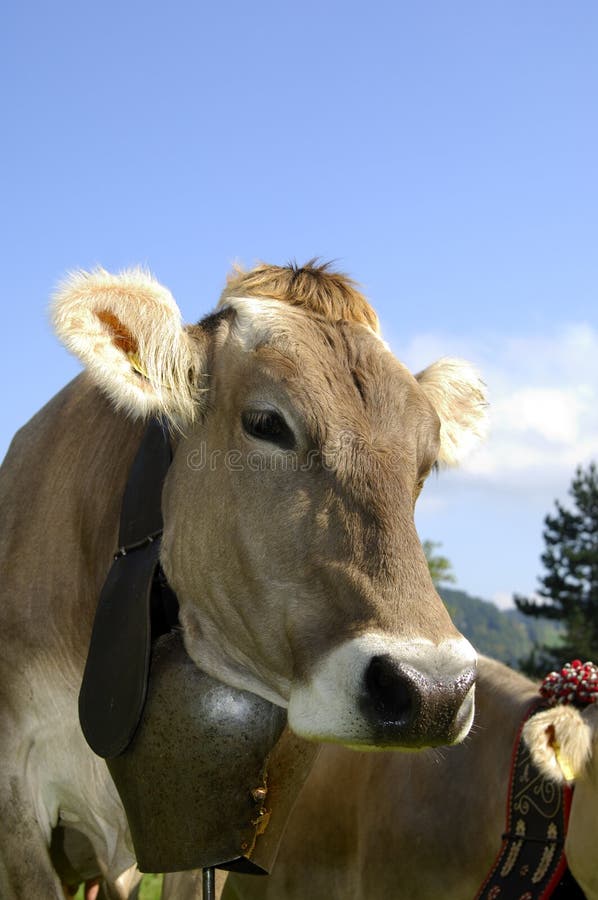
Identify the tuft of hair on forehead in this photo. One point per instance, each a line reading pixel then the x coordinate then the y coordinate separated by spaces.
pixel 314 286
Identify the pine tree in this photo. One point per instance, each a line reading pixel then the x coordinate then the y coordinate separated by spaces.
pixel 569 587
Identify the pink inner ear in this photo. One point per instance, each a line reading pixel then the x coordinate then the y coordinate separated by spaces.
pixel 121 336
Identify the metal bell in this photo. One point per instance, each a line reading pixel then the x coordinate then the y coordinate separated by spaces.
pixel 211 774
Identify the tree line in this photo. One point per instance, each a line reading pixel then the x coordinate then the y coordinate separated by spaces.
pixel 568 588
pixel 566 607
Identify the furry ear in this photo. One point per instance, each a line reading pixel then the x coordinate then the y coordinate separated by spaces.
pixel 560 742
pixel 127 330
pixel 458 395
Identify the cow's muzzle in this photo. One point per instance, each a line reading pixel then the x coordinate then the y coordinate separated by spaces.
pixel 408 707
pixel 374 691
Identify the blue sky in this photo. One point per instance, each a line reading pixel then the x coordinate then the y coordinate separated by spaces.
pixel 444 153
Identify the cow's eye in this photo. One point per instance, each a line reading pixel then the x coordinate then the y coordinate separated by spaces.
pixel 268 425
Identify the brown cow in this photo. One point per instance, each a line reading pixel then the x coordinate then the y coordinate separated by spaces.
pixel 301 445
pixel 564 744
pixel 419 826
pixel 75 862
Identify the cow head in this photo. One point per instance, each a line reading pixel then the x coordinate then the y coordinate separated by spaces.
pixel 563 742
pixel 301 447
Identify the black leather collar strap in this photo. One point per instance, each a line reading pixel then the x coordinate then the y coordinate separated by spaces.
pixel 114 684
pixel 531 863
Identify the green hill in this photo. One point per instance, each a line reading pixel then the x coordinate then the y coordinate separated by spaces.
pixel 506 635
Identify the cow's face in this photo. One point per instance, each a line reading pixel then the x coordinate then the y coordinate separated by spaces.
pixel 288 509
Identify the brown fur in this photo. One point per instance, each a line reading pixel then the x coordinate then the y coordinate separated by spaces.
pixel 564 745
pixel 427 825
pixel 272 568
pixel 314 287
pixel 415 826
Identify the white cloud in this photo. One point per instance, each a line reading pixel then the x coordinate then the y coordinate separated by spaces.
pixel 503 599
pixel 544 403
pixel 551 413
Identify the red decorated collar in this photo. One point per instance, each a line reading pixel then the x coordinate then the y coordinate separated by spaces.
pixel 576 683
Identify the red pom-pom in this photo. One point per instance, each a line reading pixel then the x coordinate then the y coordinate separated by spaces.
pixel 577 682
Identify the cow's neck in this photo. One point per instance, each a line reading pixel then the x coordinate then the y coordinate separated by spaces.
pixel 61 496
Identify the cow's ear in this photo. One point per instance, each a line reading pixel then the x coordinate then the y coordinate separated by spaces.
pixel 127 330
pixel 560 742
pixel 458 395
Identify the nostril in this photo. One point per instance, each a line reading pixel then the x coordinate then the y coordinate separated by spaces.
pixel 389 692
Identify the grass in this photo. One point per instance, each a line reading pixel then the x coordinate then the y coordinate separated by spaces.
pixel 150 888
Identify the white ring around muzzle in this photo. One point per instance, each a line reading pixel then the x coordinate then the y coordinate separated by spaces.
pixel 436 681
